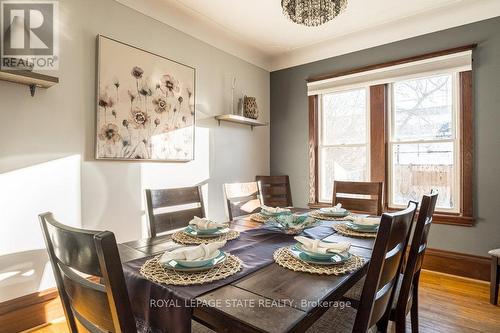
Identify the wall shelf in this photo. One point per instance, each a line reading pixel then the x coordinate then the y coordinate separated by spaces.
pixel 31 79
pixel 240 120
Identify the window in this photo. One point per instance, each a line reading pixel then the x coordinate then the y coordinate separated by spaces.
pixel 343 139
pixel 407 123
pixel 423 141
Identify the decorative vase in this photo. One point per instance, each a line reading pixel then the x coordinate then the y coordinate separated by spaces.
pixel 250 109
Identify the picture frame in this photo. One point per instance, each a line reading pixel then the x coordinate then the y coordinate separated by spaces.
pixel 145 105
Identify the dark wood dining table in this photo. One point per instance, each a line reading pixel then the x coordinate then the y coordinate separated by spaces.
pixel 271 299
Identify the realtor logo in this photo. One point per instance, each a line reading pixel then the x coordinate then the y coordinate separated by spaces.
pixel 29 35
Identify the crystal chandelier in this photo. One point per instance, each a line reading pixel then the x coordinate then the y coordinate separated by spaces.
pixel 312 12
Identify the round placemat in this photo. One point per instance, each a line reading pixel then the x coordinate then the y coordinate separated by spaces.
pixel 344 230
pixel 183 238
pixel 152 270
pixel 317 215
pixel 285 258
pixel 258 217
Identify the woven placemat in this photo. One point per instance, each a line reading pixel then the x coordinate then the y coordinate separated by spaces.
pixel 152 270
pixel 317 215
pixel 183 238
pixel 285 258
pixel 344 230
pixel 258 217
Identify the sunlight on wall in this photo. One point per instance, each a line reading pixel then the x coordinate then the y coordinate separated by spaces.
pixel 171 175
pixel 24 193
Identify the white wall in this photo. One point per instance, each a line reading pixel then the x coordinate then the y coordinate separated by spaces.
pixel 48 140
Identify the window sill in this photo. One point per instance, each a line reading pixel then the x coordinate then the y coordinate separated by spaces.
pixel 438 218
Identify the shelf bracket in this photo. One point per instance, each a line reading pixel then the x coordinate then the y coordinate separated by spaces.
pixel 32 89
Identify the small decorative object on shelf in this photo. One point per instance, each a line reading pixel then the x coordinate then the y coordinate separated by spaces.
pixel 250 109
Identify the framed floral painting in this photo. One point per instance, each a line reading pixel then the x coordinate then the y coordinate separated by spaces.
pixel 145 105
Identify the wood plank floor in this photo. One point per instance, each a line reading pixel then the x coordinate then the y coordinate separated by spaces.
pixel 448 304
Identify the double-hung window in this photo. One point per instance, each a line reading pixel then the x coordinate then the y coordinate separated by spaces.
pixel 343 139
pixel 423 141
pixel 406 123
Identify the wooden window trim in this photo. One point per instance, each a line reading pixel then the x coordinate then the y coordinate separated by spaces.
pixel 379 148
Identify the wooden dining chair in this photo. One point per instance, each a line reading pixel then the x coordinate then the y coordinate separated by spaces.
pixel 360 197
pixel 173 208
pixel 96 304
pixel 275 190
pixel 381 278
pixel 406 294
pixel 241 199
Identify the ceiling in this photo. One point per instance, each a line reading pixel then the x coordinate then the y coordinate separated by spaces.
pixel 257 31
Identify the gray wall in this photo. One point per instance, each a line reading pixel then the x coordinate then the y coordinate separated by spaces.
pixel 46 142
pixel 289 129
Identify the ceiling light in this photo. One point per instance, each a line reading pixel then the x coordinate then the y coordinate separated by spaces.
pixel 312 12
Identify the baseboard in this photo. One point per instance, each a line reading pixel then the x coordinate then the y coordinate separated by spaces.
pixel 454 263
pixel 29 311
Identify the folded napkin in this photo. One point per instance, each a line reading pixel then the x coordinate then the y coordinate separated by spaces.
pixel 274 210
pixel 192 253
pixel 335 209
pixel 368 221
pixel 317 246
pixel 204 224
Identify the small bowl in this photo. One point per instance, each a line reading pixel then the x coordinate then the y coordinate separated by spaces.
pixel 198 263
pixel 319 256
pixel 328 212
pixel 204 231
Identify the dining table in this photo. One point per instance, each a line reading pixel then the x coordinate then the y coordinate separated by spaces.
pixel 263 297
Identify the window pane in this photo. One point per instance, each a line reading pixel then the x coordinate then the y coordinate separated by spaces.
pixel 341 163
pixel 419 168
pixel 423 108
pixel 344 117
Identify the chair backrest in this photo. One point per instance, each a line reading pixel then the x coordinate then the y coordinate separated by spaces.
pixel 417 250
pixel 241 199
pixel 275 190
pixel 99 303
pixel 361 197
pixel 384 267
pixel 173 208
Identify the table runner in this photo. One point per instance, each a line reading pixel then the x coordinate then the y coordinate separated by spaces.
pixel 167 309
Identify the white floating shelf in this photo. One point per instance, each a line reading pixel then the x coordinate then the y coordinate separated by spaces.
pixel 240 120
pixel 31 79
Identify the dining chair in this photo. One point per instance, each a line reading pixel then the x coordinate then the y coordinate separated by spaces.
pixel 173 208
pixel 275 190
pixel 406 291
pixel 381 278
pixel 241 199
pixel 495 275
pixel 360 197
pixel 96 304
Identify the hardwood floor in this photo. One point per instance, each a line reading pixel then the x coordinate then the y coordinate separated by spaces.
pixel 448 304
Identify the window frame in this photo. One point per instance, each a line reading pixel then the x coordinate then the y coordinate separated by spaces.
pixel 321 137
pixel 455 139
pixel 379 96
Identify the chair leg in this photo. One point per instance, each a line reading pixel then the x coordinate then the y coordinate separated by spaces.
pixel 414 306
pixel 382 325
pixel 494 281
pixel 400 324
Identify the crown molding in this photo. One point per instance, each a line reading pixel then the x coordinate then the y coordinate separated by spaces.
pixel 197 25
pixel 200 27
pixel 441 19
